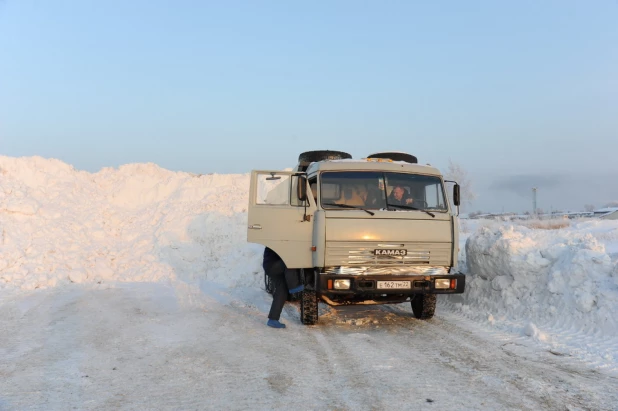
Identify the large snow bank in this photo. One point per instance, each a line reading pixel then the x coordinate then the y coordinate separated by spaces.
pixel 135 223
pixel 545 274
pixel 547 282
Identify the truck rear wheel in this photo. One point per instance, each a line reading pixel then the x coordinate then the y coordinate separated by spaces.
pixel 308 307
pixel 424 306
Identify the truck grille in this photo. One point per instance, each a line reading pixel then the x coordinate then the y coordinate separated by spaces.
pixel 354 254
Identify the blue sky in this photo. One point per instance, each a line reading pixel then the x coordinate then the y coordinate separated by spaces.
pixel 523 91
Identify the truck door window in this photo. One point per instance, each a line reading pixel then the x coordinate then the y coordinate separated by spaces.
pixel 273 189
pixel 433 196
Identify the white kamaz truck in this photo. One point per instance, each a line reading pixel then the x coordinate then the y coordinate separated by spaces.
pixel 380 229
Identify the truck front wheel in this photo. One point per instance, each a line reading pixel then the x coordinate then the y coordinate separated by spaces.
pixel 308 307
pixel 424 306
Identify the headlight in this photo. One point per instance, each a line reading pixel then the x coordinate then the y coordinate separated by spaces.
pixel 342 284
pixel 443 283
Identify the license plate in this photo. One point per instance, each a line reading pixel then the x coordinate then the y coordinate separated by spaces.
pixel 390 285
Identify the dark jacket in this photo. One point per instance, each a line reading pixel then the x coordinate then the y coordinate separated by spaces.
pixel 394 201
pixel 270 258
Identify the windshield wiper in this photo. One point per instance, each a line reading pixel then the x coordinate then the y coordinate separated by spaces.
pixel 350 206
pixel 408 207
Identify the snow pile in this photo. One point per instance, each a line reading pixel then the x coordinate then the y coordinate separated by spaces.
pixel 546 282
pixel 135 223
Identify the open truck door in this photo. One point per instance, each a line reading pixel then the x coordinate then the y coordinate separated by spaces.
pixel 279 218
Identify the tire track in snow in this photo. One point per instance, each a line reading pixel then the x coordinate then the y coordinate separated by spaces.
pixel 540 378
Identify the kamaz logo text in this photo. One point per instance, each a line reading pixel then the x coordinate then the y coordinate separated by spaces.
pixel 390 252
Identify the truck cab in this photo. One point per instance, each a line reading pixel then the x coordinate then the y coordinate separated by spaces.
pixel 379 229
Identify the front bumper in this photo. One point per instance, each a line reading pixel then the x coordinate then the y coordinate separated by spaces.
pixel 368 285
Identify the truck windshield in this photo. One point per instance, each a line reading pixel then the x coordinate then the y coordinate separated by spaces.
pixel 380 190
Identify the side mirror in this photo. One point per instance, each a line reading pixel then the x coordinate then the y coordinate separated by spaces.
pixel 456 198
pixel 301 188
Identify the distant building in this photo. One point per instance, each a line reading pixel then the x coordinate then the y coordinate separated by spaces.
pixel 610 216
pixel 609 213
pixel 576 214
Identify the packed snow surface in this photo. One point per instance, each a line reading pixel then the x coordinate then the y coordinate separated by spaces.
pixel 552 283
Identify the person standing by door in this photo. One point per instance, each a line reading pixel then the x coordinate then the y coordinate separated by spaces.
pixel 285 282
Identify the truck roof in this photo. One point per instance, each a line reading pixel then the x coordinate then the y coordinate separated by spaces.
pixel 371 165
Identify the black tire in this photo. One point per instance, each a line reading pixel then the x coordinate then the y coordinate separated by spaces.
pixel 268 284
pixel 308 307
pixel 424 306
pixel 308 157
pixel 396 156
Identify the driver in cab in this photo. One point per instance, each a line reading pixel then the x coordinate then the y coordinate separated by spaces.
pixel 399 196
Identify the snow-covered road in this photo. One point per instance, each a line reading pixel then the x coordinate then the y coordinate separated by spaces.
pixel 157 346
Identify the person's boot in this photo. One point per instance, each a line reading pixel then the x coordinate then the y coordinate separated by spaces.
pixel 275 324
